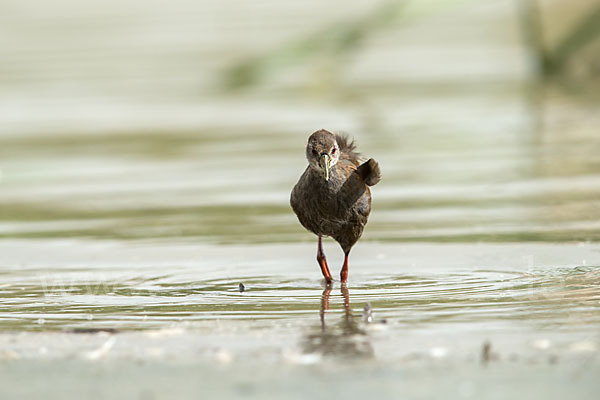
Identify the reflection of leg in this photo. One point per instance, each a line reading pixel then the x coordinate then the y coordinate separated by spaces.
pixel 346 295
pixel 323 262
pixel 344 273
pixel 325 299
pixel 324 305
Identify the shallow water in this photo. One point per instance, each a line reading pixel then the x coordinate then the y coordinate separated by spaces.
pixel 154 286
pixel 146 316
pixel 133 202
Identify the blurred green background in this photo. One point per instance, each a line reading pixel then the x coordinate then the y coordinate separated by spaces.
pixel 187 120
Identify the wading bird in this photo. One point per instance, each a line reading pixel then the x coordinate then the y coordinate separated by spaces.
pixel 332 197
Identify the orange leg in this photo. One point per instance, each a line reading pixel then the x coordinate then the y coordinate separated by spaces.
pixel 323 263
pixel 344 272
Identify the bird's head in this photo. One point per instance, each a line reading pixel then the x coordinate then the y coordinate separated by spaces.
pixel 322 152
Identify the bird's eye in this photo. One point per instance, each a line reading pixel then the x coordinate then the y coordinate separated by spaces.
pixel 333 151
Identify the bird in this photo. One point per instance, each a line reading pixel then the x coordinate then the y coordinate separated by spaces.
pixel 332 197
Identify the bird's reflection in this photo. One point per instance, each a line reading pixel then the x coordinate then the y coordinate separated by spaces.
pixel 345 338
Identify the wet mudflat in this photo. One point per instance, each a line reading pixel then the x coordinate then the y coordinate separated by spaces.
pixel 417 319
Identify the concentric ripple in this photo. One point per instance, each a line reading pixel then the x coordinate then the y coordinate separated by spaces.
pixel 423 297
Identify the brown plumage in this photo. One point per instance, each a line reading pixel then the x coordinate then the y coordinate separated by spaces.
pixel 332 197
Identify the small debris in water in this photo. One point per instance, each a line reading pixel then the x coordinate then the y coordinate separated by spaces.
pixel 101 351
pixel 367 313
pixel 438 352
pixel 241 287
pixel 164 332
pixel 93 330
pixel 541 344
pixel 486 353
pixel 294 357
pixel 9 355
pixel 223 356
pixel 584 346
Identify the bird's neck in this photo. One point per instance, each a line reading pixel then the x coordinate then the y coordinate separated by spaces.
pixel 334 177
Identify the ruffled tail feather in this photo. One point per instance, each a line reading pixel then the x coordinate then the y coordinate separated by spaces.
pixel 370 172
